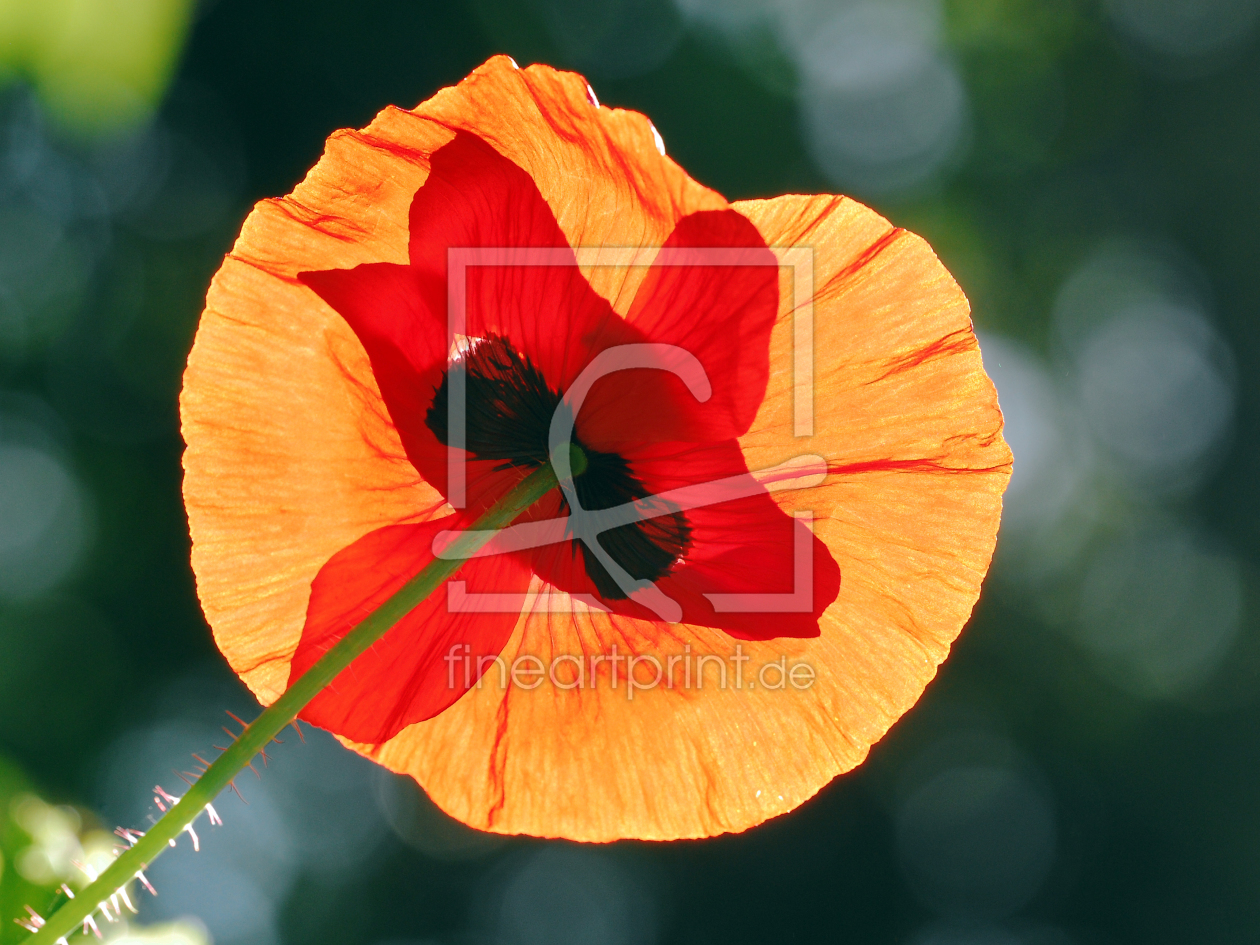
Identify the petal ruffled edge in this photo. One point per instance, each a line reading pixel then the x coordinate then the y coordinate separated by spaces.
pixel 598 168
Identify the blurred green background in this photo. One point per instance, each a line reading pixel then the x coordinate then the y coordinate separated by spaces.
pixel 1084 769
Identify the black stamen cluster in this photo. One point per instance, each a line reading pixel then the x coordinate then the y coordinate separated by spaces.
pixel 508 417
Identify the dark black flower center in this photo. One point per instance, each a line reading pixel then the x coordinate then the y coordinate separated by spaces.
pixel 508 412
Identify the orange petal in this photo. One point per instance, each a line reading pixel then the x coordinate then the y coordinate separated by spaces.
pixel 909 424
pixel 291 457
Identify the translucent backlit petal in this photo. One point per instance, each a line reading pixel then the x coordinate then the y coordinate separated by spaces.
pixel 716 298
pixel 293 457
pixel 427 660
pixel 598 168
pixel 744 546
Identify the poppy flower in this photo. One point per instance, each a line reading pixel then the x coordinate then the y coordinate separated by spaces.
pixel 792 468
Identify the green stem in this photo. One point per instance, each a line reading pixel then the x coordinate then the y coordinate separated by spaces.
pixel 283 711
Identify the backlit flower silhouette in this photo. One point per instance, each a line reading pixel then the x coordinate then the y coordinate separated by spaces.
pixel 317 410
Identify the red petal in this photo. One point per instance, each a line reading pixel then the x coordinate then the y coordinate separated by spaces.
pixel 418 667
pixel 474 198
pixel 714 292
pixel 745 546
pixel 383 304
pixel 750 547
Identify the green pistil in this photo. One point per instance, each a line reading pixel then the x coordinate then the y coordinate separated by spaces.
pixel 577 460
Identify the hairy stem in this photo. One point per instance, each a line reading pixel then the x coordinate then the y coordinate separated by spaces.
pixel 285 709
